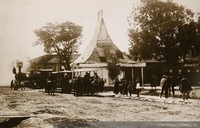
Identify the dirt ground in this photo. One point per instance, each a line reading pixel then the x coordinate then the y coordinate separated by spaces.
pixel 46 111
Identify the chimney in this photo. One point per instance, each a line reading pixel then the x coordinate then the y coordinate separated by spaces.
pixel 100 15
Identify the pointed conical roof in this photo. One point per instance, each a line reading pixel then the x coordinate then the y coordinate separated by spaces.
pixel 101 48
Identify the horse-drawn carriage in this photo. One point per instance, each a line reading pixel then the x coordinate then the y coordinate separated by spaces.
pixel 78 81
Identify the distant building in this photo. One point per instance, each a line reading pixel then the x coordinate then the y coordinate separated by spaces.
pixel 47 62
pixel 189 67
pixel 101 51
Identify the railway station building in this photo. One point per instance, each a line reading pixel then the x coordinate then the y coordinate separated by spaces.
pixel 101 51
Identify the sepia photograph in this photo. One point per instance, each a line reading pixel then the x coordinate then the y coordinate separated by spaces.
pixel 100 64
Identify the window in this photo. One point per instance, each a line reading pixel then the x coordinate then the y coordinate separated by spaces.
pixel 102 59
pixel 101 52
pixel 112 52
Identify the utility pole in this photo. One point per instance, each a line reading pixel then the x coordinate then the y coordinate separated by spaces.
pixel 72 62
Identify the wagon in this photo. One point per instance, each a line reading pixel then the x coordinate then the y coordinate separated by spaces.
pixel 67 81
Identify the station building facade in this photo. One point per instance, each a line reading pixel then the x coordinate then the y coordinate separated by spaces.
pixel 101 51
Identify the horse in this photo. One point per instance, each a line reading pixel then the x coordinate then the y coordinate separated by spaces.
pixel 50 87
pixel 16 84
pixel 22 85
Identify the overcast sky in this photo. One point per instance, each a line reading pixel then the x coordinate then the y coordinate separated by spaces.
pixel 19 18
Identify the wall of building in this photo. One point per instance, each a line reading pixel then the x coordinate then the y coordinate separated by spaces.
pixel 192 71
pixel 37 67
pixel 101 71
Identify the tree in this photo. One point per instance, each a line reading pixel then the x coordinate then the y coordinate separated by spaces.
pixel 160 30
pixel 190 38
pixel 113 68
pixel 61 39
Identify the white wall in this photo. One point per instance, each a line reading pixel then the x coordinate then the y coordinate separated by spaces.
pixel 102 71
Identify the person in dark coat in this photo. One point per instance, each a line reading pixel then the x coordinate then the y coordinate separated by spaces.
pixel 65 83
pixel 11 84
pixel 50 86
pixel 116 86
pixel 121 86
pixel 130 88
pixel 167 86
pixel 173 84
pixel 101 84
pixel 79 86
pixel 125 87
pixel 87 83
pixel 185 87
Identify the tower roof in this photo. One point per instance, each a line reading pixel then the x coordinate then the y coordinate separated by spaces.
pixel 101 48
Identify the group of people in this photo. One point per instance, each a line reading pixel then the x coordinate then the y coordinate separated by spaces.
pixel 88 85
pixel 79 85
pixel 125 87
pixel 168 83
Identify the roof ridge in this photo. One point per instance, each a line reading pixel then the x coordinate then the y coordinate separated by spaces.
pixel 90 48
pixel 100 40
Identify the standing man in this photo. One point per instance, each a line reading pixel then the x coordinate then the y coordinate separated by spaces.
pixel 65 83
pixel 138 86
pixel 101 85
pixel 185 87
pixel 173 84
pixel 163 85
pixel 87 83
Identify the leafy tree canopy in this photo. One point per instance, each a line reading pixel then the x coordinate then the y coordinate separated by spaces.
pixel 61 39
pixel 113 68
pixel 162 31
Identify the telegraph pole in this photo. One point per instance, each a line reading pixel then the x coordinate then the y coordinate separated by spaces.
pixel 73 62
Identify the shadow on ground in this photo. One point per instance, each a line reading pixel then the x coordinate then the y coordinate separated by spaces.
pixel 12 122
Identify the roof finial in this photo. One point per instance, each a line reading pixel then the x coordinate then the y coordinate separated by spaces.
pixel 100 14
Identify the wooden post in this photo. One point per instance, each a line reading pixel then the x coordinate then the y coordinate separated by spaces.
pixel 142 73
pixel 132 71
pixel 73 62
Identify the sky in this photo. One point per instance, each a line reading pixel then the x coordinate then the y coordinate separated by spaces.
pixel 19 19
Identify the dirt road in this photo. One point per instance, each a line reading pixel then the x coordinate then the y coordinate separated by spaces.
pixel 45 110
